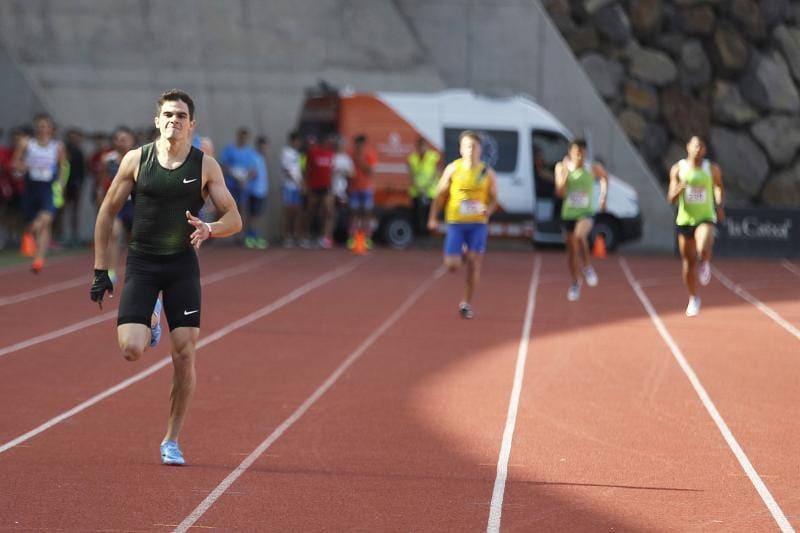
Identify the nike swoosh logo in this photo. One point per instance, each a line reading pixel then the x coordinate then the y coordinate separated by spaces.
pixel 190 312
pixel 189 181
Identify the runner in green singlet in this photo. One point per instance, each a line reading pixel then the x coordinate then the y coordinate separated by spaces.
pixel 696 184
pixel 575 184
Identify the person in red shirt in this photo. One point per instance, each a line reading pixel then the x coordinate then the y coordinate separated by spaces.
pixel 319 167
pixel 360 193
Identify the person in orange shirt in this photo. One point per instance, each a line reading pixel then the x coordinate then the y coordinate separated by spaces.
pixel 360 193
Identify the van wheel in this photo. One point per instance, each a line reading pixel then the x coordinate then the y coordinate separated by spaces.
pixel 398 232
pixel 609 227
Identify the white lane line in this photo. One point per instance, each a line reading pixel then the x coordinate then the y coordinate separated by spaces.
pixel 214 495
pixel 43 291
pixel 791 267
pixel 496 506
pixel 66 330
pixel 761 306
pixel 264 311
pixel 757 482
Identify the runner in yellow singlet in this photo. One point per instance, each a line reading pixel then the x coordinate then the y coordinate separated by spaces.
pixel 469 188
pixel 696 184
pixel 575 184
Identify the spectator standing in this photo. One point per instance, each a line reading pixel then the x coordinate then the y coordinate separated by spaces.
pixel 319 174
pixel 69 215
pixel 424 168
pixel 257 190
pixel 292 191
pixel 240 166
pixel 361 196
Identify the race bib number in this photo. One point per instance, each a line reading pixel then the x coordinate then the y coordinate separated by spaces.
pixel 578 199
pixel 696 195
pixel 471 207
pixel 41 173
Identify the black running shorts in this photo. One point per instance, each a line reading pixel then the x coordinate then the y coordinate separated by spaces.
pixel 688 231
pixel 176 275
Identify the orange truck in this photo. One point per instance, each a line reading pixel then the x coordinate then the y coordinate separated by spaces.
pixel 521 140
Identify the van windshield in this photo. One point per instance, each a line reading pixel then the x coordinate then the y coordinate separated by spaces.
pixel 499 147
pixel 547 149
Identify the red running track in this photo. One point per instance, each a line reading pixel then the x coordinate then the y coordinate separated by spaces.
pixel 610 434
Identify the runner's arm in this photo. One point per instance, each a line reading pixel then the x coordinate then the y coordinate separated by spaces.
pixel 719 192
pixel 230 221
pixel 491 205
pixel 676 186
pixel 442 190
pixel 118 192
pixel 600 171
pixel 561 178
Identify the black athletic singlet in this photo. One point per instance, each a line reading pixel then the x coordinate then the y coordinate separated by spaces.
pixel 162 199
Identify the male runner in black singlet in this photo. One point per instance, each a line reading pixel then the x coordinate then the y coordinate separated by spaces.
pixel 170 180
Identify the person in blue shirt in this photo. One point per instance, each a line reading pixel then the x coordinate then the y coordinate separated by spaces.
pixel 256 193
pixel 239 163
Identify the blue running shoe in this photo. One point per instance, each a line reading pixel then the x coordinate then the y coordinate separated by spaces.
pixel 171 453
pixel 155 332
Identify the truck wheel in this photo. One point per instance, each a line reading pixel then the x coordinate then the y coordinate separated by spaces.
pixel 398 232
pixel 610 230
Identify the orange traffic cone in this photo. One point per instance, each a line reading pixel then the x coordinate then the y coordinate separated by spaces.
pixel 599 249
pixel 360 244
pixel 28 246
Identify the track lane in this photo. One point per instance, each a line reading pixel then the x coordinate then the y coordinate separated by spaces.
pixel 610 434
pixel 408 441
pixel 88 361
pixel 750 367
pixel 247 384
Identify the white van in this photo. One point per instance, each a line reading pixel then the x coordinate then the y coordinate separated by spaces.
pixel 514 130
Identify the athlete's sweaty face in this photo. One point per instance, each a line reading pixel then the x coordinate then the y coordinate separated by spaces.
pixel 173 120
pixel 470 149
pixel 695 148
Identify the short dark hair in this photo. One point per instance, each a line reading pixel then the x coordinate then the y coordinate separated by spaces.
pixel 125 129
pixel 469 134
pixel 177 95
pixel 262 139
pixel 43 116
pixel 360 138
pixel 294 136
pixel 579 142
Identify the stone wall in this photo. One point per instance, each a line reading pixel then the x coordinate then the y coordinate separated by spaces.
pixel 728 69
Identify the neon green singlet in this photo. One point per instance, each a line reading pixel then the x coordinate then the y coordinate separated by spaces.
pixel 696 202
pixel 579 195
pixel 469 193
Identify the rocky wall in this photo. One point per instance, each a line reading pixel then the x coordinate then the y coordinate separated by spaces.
pixel 726 69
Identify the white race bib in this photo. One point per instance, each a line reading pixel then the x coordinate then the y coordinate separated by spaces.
pixel 696 195
pixel 41 173
pixel 471 207
pixel 578 199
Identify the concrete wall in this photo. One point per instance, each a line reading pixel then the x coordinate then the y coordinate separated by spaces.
pixel 500 47
pixel 101 63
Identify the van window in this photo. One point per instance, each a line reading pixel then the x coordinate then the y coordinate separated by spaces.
pixel 499 147
pixel 548 148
